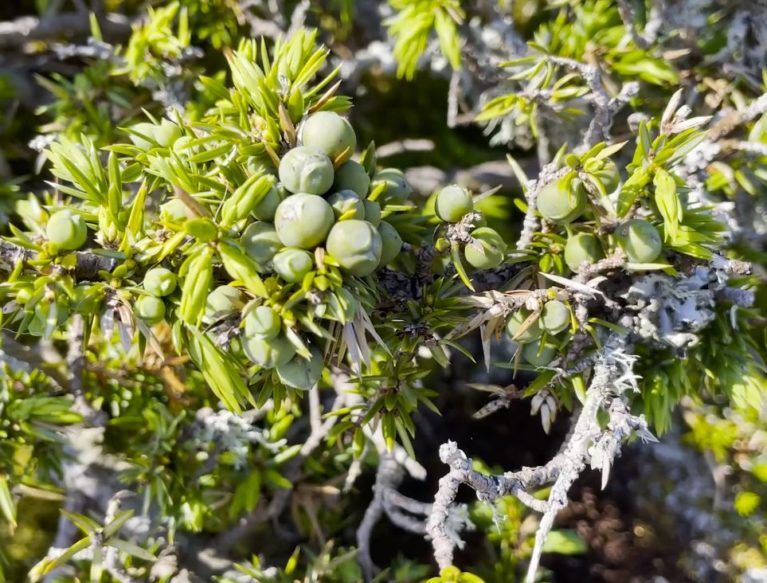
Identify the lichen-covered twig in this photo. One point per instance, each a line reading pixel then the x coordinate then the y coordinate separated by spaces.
pixel 587 444
pixel 605 107
pixel 84 445
pixel 388 476
pixel 652 27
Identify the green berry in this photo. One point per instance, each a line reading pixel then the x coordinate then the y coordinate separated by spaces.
pixel 372 212
pixel 268 353
pixel 303 220
pixel 555 316
pixel 453 203
pixel 356 245
pixel 301 373
pixel 66 230
pixel 292 264
pixel 514 325
pixel 150 309
pixel 142 135
pixel 582 248
pixel 222 302
pixel 397 188
pixel 329 132
pixel 264 210
pixel 186 145
pixel 539 356
pixel 347 204
pixel 160 282
pixel 167 133
pixel 561 205
pixel 488 249
pixel 306 170
pixel 164 134
pixel 391 243
pixel 609 176
pixel 640 241
pixel 352 176
pixel 261 242
pixel 262 321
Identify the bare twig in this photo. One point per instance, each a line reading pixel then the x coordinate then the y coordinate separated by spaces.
pixel 402 146
pixel 64 25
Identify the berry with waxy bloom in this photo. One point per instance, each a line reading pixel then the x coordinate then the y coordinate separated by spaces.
pixel 609 176
pixel 268 353
pixel 488 249
pixel 453 203
pixel 262 321
pixel 372 212
pixel 150 309
pixel 261 242
pixel 555 316
pixel 160 282
pixel 391 243
pixel 356 245
pixel 397 188
pixel 352 176
pixel 66 230
pixel 303 220
pixel 265 209
pixel 301 373
pixel 640 241
pixel 223 301
pixel 560 204
pixel 347 204
pixel 305 169
pixel 292 264
pixel 538 356
pixel 514 327
pixel 582 248
pixel 332 134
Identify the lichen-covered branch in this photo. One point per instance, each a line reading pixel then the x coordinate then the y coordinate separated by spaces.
pixel 388 476
pixel 587 444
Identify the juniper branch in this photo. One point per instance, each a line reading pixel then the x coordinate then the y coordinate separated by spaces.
pixel 87 266
pixel 588 442
pixel 64 25
pixel 388 476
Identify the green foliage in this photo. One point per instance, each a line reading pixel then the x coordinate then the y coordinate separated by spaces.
pixel 733 435
pixel 31 442
pixel 594 26
pixel 101 539
pixel 725 361
pixel 412 28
